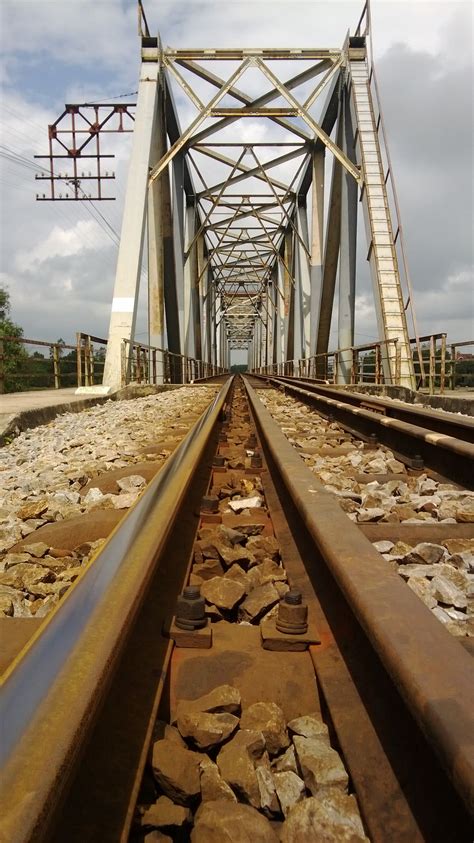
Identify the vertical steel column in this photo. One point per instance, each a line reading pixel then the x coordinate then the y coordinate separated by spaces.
pixel 288 292
pixel 317 242
pixel 209 314
pixel 303 281
pixel 179 246
pixel 129 262
pixel 271 303
pixel 197 297
pixel 215 315
pixel 331 253
pixel 386 283
pixel 280 320
pixel 347 258
pixel 263 332
pixel 189 283
pixel 158 208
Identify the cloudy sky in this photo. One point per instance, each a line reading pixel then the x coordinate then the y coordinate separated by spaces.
pixel 58 260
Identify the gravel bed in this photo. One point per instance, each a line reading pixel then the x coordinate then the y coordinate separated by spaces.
pixel 442 575
pixel 222 771
pixel 46 474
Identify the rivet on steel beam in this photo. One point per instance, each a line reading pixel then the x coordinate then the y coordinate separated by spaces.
pixel 373 439
pixel 330 418
pixel 210 503
pixel 218 460
pixel 417 462
pixel 191 609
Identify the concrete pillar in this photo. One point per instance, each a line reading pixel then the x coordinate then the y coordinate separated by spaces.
pixel 129 262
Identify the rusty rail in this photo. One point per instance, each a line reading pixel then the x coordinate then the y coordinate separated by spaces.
pixel 450 456
pixel 433 673
pixel 51 694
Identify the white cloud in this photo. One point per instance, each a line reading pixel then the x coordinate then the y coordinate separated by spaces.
pixel 61 242
pixel 59 263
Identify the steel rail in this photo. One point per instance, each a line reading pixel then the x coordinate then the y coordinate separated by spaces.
pixel 52 692
pixel 448 455
pixel 432 672
pixel 460 427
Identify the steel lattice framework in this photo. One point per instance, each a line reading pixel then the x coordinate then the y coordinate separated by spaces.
pixel 245 242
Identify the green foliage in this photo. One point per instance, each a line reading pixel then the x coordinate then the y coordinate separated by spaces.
pixel 239 367
pixel 15 357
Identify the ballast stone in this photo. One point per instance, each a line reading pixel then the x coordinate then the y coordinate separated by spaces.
pixel 290 789
pixel 320 765
pixel 309 726
pixel 258 602
pixel 164 813
pixel 267 718
pixel 206 730
pixel 329 817
pixel 225 822
pixel 223 593
pixel 177 771
pixel 223 698
pixel 213 786
pixel 236 763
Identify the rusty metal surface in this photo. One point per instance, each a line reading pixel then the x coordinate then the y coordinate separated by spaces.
pixel 460 427
pixel 415 533
pixel 431 671
pixel 51 693
pixel 452 458
pixel 390 764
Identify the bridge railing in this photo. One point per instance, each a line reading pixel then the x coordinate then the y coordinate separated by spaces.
pixel 143 363
pixel 365 364
pixel 441 365
pixel 27 364
pixel 90 359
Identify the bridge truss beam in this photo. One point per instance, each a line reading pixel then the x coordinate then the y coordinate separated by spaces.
pixel 247 240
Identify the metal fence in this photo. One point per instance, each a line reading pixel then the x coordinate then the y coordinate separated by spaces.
pixel 149 364
pixel 437 364
pixel 27 364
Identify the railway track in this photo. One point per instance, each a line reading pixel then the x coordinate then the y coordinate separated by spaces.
pixel 442 441
pixel 236 513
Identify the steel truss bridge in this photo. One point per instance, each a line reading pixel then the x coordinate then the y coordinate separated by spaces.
pixel 247 217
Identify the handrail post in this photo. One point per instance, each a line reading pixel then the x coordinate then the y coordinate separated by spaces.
pixel 138 371
pixel 57 374
pixel 432 364
pixel 398 363
pixel 91 361
pixel 378 364
pixel 123 361
pixel 442 374
pixel 78 359
pixel 355 366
